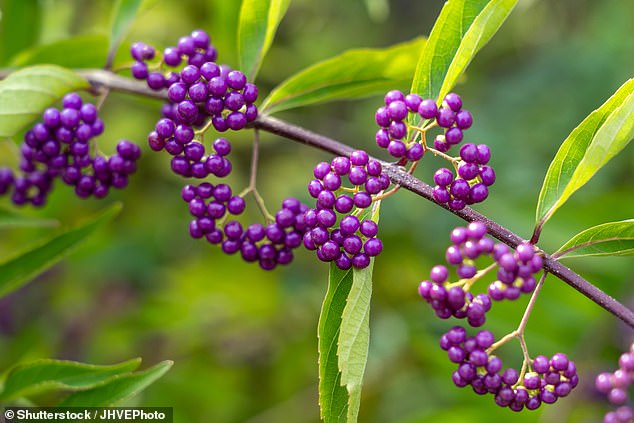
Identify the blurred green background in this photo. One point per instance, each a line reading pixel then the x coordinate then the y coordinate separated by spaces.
pixel 244 340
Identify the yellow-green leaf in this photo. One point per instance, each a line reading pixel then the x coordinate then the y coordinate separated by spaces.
pixel 353 74
pixel 484 26
pixel 118 388
pixel 47 375
pixel 607 239
pixel 454 21
pixel 257 25
pixel 601 136
pixel 333 398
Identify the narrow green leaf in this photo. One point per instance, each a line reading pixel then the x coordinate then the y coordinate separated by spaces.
pixel 27 92
pixel 10 219
pixel 123 15
pixel 118 388
pixel 354 336
pixel 21 268
pixel 601 135
pixel 333 398
pixel 84 51
pixel 484 26
pixel 453 23
pixel 257 25
pixel 608 239
pixel 353 74
pixel 48 375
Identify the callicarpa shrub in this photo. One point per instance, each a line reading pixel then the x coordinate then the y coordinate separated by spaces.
pixel 205 102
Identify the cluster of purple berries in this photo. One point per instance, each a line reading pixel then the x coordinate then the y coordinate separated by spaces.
pixel 473 178
pixel 394 130
pixel 268 245
pixel 204 94
pixel 59 146
pixel 473 175
pixel 351 242
pixel 515 275
pixel 616 385
pixel 549 379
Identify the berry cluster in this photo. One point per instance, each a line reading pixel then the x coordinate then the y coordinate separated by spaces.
pixel 515 275
pixel 473 175
pixel 616 385
pixel 59 146
pixel 201 95
pixel 353 241
pixel 268 245
pixel 473 178
pixel 204 94
pixel 548 380
pixel 450 116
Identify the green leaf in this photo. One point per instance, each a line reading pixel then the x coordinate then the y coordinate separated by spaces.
pixel 23 267
pixel 20 29
pixel 48 375
pixel 483 27
pixel 124 13
pixel 454 21
pixel 601 136
pixel 461 30
pixel 117 389
pixel 344 336
pixel 353 74
pixel 257 24
pixel 27 92
pixel 333 398
pixel 354 336
pixel 84 51
pixel 608 239
pixel 10 219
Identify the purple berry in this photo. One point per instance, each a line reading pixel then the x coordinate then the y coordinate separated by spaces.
pixel 445 117
pixel 453 101
pixel 464 120
pixel 359 158
pixel 428 109
pixel 373 247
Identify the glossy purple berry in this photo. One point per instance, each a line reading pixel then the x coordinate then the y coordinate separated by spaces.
pixel 453 101
pixel 464 120
pixel 445 117
pixel 428 109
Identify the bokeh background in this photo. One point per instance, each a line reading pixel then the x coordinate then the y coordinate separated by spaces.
pixel 244 340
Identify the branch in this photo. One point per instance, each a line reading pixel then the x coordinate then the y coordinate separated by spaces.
pixel 103 79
